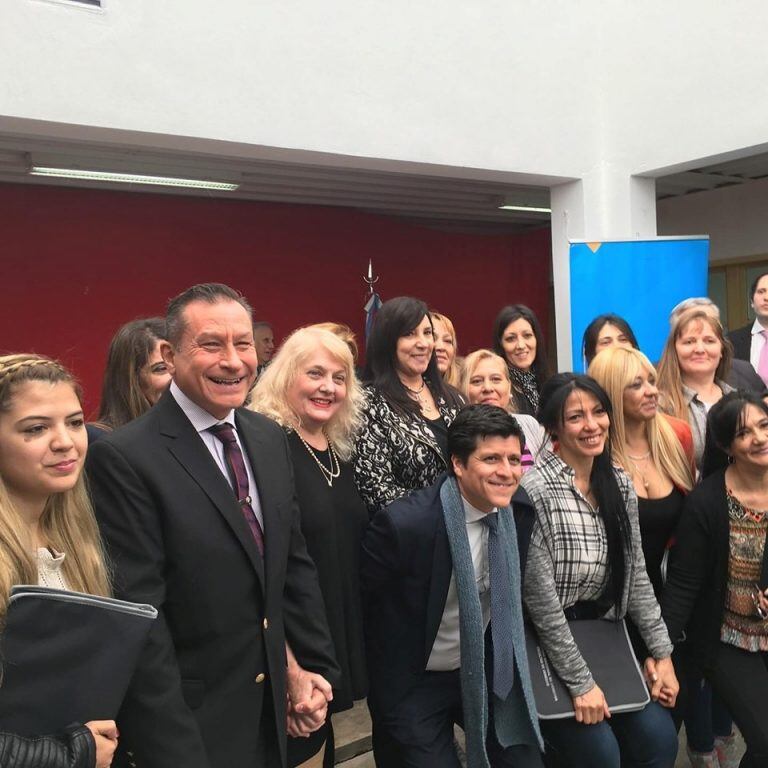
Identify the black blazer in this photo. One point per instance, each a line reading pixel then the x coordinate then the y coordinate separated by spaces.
pixel 694 595
pixel 177 540
pixel 741 339
pixel 405 571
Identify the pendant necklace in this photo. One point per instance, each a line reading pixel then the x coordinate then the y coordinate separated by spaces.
pixel 633 459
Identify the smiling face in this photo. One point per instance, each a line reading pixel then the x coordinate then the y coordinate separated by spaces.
pixel 489 383
pixel 611 336
pixel 750 444
pixel 584 429
pixel 414 350
pixel 42 441
pixel 154 377
pixel 215 361
pixel 445 348
pixel 699 349
pixel 519 344
pixel 492 472
pixel 319 389
pixel 641 396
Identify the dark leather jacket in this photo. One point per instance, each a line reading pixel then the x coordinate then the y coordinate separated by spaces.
pixel 73 748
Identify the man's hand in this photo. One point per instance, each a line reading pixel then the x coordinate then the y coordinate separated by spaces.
pixel 662 681
pixel 591 707
pixel 105 735
pixel 308 697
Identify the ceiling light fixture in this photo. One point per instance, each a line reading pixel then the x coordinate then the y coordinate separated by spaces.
pixel 131 178
pixel 526 208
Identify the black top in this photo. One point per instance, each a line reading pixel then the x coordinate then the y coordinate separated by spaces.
pixel 658 520
pixel 439 429
pixel 333 520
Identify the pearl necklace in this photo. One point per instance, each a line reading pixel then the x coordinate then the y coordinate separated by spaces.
pixel 329 474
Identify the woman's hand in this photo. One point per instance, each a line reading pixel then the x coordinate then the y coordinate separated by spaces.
pixel 591 707
pixel 662 681
pixel 105 735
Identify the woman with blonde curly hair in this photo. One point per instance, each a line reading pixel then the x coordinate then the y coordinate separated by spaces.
pixel 655 450
pixel 310 388
pixel 446 348
pixel 48 533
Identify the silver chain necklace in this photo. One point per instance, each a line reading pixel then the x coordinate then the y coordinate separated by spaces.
pixel 329 474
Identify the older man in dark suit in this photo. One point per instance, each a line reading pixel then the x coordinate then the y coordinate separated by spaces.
pixel 444 629
pixel 196 502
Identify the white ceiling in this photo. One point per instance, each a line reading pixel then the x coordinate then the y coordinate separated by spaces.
pixel 445 202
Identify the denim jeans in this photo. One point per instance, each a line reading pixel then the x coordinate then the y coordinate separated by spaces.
pixel 643 739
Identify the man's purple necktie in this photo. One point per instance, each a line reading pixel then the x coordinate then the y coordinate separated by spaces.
pixel 234 457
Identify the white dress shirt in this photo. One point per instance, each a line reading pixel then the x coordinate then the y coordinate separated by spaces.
pixel 202 421
pixel 758 342
pixel 446 650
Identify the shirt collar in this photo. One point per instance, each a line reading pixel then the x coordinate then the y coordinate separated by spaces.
pixel 550 461
pixel 200 418
pixel 690 394
pixel 473 514
pixel 757 328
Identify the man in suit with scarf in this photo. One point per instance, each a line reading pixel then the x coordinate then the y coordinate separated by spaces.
pixel 425 556
pixel 196 502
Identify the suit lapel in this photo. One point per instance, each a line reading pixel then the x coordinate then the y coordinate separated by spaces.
pixel 442 566
pixel 191 452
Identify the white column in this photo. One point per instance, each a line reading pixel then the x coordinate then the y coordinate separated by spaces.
pixel 606 204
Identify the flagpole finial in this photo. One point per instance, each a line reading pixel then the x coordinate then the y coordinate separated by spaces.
pixel 370 279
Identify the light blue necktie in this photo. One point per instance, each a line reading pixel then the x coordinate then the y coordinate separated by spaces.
pixel 501 612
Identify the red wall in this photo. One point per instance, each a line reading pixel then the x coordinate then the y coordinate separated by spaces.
pixel 76 264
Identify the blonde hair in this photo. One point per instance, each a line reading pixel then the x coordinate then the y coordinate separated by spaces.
pixel 472 360
pixel 344 332
pixel 453 375
pixel 670 375
pixel 67 523
pixel 270 395
pixel 614 369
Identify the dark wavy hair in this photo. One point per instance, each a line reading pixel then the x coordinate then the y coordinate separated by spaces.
pixel 398 317
pixel 592 333
pixel 725 419
pixel 610 502
pixel 129 351
pixel 508 315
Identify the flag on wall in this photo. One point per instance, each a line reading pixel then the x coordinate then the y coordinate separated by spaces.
pixel 371 308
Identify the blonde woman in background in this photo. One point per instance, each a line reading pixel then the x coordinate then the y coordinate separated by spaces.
pixel 48 533
pixel 446 349
pixel 656 451
pixel 485 379
pixel 693 371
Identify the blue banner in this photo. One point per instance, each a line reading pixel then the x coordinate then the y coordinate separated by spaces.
pixel 639 280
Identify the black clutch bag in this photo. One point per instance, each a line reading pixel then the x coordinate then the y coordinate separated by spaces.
pixel 67 657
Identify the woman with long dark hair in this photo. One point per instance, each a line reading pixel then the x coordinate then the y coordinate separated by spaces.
pixel 585 561
pixel 403 443
pixel 517 337
pixel 136 374
pixel 604 332
pixel 718 579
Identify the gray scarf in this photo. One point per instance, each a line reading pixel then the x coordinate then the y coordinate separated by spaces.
pixel 515 718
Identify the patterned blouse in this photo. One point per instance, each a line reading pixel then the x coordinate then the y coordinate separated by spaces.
pixel 742 627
